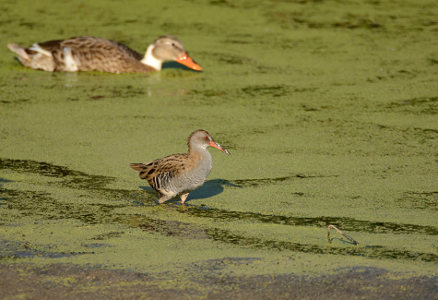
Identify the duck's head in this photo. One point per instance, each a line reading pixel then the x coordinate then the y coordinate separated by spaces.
pixel 167 48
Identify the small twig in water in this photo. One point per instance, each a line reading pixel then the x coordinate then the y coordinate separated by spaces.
pixel 341 233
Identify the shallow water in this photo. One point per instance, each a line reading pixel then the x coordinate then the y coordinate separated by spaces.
pixel 330 110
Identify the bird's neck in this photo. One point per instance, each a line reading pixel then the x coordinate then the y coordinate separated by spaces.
pixel 150 60
pixel 201 159
pixel 199 153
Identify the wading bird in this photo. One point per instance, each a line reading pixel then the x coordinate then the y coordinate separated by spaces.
pixel 179 174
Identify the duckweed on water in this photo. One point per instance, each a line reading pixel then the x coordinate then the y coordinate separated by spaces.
pixel 31 203
pixel 329 109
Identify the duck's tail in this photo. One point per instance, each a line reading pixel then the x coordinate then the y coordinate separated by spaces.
pixel 34 57
pixel 22 55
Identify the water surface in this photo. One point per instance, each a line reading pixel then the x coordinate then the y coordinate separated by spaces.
pixel 329 108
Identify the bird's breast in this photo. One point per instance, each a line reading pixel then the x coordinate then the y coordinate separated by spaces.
pixel 194 177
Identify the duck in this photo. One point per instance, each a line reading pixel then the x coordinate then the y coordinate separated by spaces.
pixel 179 174
pixel 88 53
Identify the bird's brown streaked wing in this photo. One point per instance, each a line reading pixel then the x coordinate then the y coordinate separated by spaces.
pixel 50 46
pixel 100 45
pixel 159 172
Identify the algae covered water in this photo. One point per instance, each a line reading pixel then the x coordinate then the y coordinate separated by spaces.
pixel 330 109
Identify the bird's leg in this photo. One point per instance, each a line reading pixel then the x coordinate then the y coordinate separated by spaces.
pixel 183 197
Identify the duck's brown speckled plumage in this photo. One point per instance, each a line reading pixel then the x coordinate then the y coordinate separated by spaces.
pixel 179 174
pixel 96 54
pixel 86 53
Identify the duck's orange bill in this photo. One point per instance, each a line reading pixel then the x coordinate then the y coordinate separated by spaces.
pixel 187 61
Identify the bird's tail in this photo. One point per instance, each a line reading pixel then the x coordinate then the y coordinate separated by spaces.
pixel 137 166
pixel 21 53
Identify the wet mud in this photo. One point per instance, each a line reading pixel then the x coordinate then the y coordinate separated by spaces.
pixel 62 281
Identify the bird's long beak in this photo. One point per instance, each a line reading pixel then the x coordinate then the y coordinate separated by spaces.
pixel 187 61
pixel 217 146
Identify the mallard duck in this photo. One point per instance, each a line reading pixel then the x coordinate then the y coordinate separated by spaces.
pixel 86 53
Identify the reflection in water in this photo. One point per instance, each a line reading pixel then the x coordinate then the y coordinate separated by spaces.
pixel 140 84
pixel 70 79
pixel 77 79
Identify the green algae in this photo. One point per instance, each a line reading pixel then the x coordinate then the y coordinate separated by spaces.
pixel 329 109
pixel 42 205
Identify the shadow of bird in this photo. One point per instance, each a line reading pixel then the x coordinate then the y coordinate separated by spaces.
pixel 209 189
